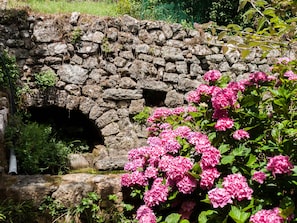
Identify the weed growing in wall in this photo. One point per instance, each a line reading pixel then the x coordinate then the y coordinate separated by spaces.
pixel 45 79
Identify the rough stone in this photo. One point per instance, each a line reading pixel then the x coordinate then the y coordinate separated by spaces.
pixel 72 74
pixel 174 99
pixel 110 129
pixel 121 94
pixel 107 117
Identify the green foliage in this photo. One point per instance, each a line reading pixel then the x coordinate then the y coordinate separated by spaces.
pixel 36 149
pixel 45 79
pixel 8 70
pixel 11 211
pixel 76 35
pixel 89 210
pixel 142 116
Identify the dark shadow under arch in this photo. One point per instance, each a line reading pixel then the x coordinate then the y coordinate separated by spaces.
pixel 69 124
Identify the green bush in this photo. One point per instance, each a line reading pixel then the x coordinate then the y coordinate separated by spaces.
pixel 36 149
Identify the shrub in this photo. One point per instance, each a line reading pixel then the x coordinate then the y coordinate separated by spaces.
pixel 36 148
pixel 226 157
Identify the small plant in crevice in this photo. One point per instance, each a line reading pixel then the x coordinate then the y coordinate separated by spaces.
pixel 91 209
pixel 76 35
pixel 142 116
pixel 45 79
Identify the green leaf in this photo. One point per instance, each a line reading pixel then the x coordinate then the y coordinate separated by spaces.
pixel 234 27
pixel 222 35
pixel 238 215
pixel 227 159
pixel 269 12
pixel 224 148
pixel 261 23
pixel 225 49
pixel 203 216
pixel 280 102
pixel 242 4
pixel 184 221
pixel 245 53
pixel 251 161
pixel 173 218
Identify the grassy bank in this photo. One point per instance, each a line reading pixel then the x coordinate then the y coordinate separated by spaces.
pixel 100 8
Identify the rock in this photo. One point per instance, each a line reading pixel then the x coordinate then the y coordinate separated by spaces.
pixel 77 161
pixel 174 99
pixel 74 18
pixel 172 53
pixel 46 31
pixel 106 118
pixel 121 94
pixel 72 74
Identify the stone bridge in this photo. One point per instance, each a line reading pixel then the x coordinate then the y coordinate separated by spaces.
pixel 109 69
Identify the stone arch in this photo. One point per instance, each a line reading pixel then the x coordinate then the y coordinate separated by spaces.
pixel 70 124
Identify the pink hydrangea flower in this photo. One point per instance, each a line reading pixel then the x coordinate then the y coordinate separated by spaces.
pixel 225 98
pixel 241 134
pixel 283 60
pixel 199 140
pixel 220 113
pixel 267 216
pixel 159 113
pixel 290 75
pixel 172 146
pixel 223 124
pixel 258 77
pixel 134 178
pixel 219 197
pixel 151 172
pixel 135 164
pixel 237 187
pixel 145 214
pixel 210 158
pixel 237 86
pixel 157 194
pixel 279 165
pixel 187 185
pixel 186 209
pixel 208 176
pixel 193 96
pixel 259 177
pixel 212 75
pixel 175 167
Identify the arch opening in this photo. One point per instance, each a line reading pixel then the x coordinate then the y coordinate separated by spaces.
pixel 154 98
pixel 68 125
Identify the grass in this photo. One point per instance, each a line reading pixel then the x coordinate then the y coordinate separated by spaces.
pixel 99 7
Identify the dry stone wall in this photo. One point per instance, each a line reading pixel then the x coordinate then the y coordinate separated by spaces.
pixel 110 68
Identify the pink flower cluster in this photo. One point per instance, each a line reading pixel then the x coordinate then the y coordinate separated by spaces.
pixel 279 165
pixel 234 187
pixel 259 177
pixel 145 215
pixel 241 134
pixel 267 216
pixel 223 124
pixel 290 75
pixel 212 75
pixel 157 194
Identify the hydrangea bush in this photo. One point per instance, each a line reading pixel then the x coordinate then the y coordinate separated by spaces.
pixel 226 157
